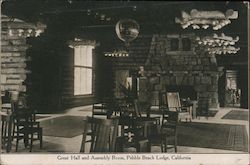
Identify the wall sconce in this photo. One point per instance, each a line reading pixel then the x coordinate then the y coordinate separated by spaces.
pixel 205 19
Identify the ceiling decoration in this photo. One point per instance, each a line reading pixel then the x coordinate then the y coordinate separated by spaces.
pixel 205 19
pixel 219 44
pixel 127 30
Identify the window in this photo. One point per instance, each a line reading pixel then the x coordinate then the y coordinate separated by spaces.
pixel 186 44
pixel 83 70
pixel 174 43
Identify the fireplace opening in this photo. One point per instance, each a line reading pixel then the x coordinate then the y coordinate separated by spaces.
pixel 185 91
pixel 187 95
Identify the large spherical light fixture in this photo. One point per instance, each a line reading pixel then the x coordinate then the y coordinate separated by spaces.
pixel 127 30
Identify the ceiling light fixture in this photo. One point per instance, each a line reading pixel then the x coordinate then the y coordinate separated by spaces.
pixel 127 30
pixel 219 44
pixel 117 53
pixel 204 19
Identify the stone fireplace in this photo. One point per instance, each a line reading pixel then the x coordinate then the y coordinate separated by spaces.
pixel 175 62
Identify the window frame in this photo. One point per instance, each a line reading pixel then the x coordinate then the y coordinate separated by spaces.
pixel 83 67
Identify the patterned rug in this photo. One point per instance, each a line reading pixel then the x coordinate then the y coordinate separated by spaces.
pixel 64 126
pixel 236 115
pixel 216 136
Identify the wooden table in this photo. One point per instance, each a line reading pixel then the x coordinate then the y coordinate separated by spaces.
pixel 143 122
pixel 140 142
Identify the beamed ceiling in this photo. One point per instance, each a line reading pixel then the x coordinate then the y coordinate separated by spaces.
pixel 95 17
pixel 88 13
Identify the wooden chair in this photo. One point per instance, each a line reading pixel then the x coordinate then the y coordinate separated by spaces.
pixel 6 98
pixel 143 124
pixel 165 136
pixel 6 102
pixel 108 108
pixel 102 132
pixel 6 131
pixel 99 109
pixel 174 105
pixel 138 113
pixel 26 127
pixel 169 130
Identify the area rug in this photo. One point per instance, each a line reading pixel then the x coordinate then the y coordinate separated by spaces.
pixel 85 110
pixel 216 136
pixel 236 115
pixel 211 113
pixel 64 126
pixel 42 117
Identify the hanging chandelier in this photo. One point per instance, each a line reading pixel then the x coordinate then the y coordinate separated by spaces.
pixel 219 44
pixel 205 19
pixel 127 30
pixel 223 50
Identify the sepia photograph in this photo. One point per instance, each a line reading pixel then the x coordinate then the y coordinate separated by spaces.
pixel 124 82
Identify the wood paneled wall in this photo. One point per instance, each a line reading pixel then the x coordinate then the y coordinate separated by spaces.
pixel 13 53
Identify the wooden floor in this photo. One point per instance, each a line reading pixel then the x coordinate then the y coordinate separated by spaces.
pixel 53 144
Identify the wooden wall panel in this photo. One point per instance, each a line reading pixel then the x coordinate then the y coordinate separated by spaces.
pixel 13 57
